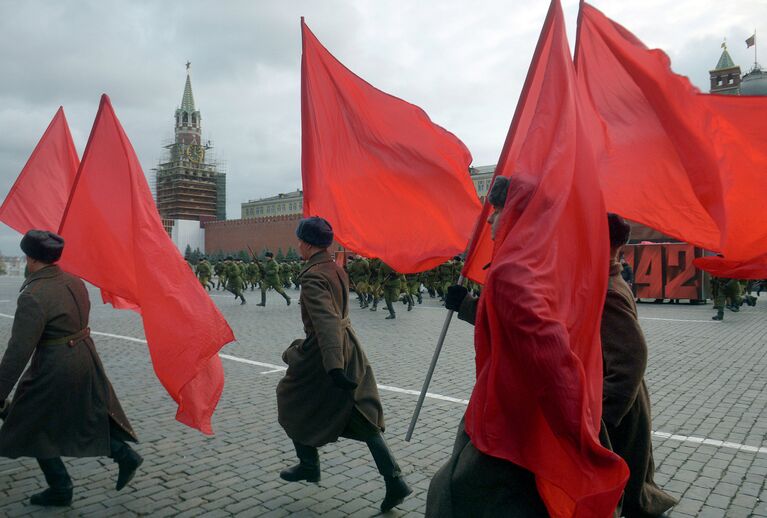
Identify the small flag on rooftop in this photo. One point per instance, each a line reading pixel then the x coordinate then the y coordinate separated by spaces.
pixel 750 42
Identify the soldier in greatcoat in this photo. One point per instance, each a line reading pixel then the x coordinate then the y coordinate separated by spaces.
pixel 625 399
pixel 329 390
pixel 473 483
pixel 64 405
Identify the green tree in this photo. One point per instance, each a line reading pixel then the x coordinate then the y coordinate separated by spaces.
pixel 292 255
pixel 188 252
pixel 243 255
pixel 3 269
pixel 279 255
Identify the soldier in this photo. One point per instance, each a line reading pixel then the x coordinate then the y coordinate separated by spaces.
pixel 64 405
pixel 234 281
pixel 625 399
pixel 219 269
pixel 329 390
pixel 724 290
pixel 375 282
pixel 472 483
pixel 446 277
pixel 272 279
pixel 253 271
pixel 391 283
pixel 359 272
pixel 413 282
pixel 203 273
pixel 431 280
pixel 296 268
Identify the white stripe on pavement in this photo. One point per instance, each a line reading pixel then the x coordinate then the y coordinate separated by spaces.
pixel 681 320
pixel 278 368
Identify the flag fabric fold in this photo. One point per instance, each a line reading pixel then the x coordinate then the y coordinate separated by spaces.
pixel 690 165
pixel 40 193
pixel 538 394
pixel 753 269
pixel 116 241
pixel 393 184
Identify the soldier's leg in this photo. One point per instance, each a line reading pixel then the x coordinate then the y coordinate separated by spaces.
pixel 719 300
pixel 126 457
pixel 281 291
pixel 390 294
pixel 308 467
pixel 59 492
pixel 359 428
pixel 374 295
pixel 242 297
pixel 264 286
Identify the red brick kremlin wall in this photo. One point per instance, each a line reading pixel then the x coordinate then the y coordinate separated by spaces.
pixel 270 233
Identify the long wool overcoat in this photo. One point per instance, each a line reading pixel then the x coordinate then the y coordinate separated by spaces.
pixel 64 401
pixel 311 409
pixel 626 401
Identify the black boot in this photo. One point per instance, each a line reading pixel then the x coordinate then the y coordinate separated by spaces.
pixel 263 299
pixel 287 298
pixel 308 467
pixel 243 300
pixel 390 307
pixel 127 461
pixel 59 492
pixel 375 305
pixel 410 303
pixel 719 314
pixel 396 486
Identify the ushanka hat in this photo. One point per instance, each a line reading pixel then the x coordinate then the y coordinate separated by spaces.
pixel 42 245
pixel 497 194
pixel 316 231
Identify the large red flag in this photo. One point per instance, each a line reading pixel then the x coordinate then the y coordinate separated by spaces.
pixel 537 401
pixel 755 269
pixel 38 198
pixel 688 164
pixel 116 241
pixel 393 184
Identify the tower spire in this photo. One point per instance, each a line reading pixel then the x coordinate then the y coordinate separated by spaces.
pixel 187 101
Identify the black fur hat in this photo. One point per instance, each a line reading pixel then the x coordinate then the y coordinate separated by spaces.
pixel 269 254
pixel 620 231
pixel 316 231
pixel 42 245
pixel 497 193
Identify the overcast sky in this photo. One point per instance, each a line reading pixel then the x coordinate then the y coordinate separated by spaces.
pixel 463 62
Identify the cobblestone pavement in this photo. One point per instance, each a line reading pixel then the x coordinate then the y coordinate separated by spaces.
pixel 706 379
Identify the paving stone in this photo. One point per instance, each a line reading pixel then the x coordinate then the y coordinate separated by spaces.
pixel 705 379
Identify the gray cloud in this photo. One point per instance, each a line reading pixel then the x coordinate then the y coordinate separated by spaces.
pixel 463 63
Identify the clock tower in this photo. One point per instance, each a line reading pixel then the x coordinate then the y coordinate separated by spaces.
pixel 188 184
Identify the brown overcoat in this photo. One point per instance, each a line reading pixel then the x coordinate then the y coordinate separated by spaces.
pixel 64 401
pixel 311 409
pixel 626 401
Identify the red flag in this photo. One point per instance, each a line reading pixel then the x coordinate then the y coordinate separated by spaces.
pixel 755 269
pixel 688 164
pixel 393 184
pixel 481 247
pixel 38 198
pixel 116 241
pixel 537 401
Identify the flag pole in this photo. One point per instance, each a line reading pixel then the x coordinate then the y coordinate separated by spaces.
pixel 430 373
pixel 501 166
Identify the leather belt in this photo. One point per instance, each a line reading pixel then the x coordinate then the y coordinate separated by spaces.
pixel 70 340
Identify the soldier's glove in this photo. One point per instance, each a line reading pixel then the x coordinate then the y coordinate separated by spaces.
pixel 341 381
pixel 455 295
